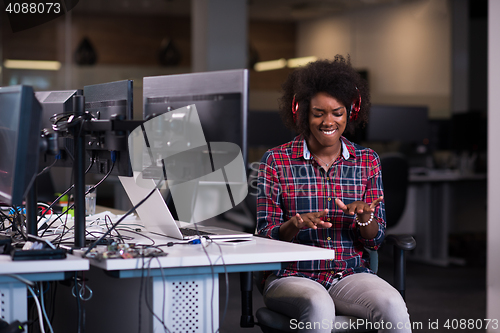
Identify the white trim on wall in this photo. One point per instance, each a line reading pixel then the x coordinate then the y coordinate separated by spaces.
pixel 493 245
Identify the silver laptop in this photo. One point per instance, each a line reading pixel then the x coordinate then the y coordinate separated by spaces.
pixel 156 216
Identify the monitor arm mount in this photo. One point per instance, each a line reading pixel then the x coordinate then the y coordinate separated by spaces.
pixel 115 124
pixel 48 145
pixel 85 125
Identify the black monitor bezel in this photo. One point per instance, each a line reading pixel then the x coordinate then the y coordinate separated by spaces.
pixel 28 144
pixel 65 143
pixel 393 126
pixel 116 92
pixel 201 84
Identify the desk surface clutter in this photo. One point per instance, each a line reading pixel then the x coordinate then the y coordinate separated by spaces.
pixel 169 263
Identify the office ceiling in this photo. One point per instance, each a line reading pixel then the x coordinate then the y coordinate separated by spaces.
pixel 276 10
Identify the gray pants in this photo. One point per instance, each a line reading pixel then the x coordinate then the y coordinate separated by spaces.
pixel 312 307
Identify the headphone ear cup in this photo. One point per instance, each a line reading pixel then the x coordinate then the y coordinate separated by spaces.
pixel 355 107
pixel 295 108
pixel 349 112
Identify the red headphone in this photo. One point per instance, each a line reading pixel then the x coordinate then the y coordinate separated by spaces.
pixel 355 107
pixel 295 108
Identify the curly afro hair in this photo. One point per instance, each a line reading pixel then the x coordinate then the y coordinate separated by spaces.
pixel 335 77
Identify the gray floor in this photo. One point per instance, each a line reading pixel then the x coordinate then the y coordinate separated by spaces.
pixel 434 295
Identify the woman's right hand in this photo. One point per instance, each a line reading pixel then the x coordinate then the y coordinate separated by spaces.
pixel 290 228
pixel 311 220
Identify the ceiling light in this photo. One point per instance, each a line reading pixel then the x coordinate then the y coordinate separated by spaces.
pixel 297 62
pixel 270 65
pixel 32 64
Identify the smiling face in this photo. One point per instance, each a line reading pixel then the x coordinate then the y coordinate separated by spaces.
pixel 327 122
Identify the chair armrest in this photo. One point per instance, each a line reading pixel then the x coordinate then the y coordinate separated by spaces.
pixel 402 242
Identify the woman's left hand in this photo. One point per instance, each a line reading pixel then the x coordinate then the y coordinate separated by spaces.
pixel 359 207
pixel 364 211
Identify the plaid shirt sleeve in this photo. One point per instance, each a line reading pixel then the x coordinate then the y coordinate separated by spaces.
pixel 270 214
pixel 374 190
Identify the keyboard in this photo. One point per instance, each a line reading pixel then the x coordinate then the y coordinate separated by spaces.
pixel 194 232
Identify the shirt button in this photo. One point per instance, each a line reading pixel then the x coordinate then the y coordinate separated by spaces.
pixel 329 238
pixel 333 272
pixel 329 199
pixel 328 178
pixel 328 219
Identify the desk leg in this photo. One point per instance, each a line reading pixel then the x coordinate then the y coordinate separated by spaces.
pixel 13 302
pixel 435 205
pixel 191 303
pixel 427 221
pixel 447 209
pixel 424 226
pixel 432 227
pixel 445 222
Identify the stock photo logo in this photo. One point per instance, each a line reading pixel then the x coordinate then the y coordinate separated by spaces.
pixel 26 14
pixel 204 178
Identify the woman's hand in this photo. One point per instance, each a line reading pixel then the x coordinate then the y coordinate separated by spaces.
pixel 359 207
pixel 290 228
pixel 364 211
pixel 311 220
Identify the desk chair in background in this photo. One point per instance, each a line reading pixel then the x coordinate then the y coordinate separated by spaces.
pixel 395 178
pixel 244 214
pixel 395 175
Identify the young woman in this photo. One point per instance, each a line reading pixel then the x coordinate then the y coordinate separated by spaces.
pixel 322 190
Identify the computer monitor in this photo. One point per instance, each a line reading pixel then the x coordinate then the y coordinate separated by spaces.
pixel 404 124
pixel 57 103
pixel 267 130
pixel 475 123
pixel 106 101
pixel 20 126
pixel 221 99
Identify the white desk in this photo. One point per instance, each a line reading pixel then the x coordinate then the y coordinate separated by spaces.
pixel 13 293
pixel 434 204
pixel 189 281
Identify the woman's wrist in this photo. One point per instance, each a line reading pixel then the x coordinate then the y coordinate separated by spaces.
pixel 288 230
pixel 363 221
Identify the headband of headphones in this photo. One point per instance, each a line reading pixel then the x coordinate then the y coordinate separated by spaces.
pixel 352 112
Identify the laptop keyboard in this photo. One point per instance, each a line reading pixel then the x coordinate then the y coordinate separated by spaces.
pixel 194 232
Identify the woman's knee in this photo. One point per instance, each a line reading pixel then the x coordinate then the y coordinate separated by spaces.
pixel 318 301
pixel 313 299
pixel 389 299
pixel 390 306
pixel 300 298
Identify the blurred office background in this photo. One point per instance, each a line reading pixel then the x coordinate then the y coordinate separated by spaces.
pixel 430 54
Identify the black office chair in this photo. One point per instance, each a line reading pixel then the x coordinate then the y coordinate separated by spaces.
pixel 395 172
pixel 395 178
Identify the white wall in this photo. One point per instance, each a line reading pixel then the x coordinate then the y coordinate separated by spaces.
pixel 493 268
pixel 406 49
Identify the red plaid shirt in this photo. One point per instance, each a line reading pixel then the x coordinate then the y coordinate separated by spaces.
pixel 291 181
